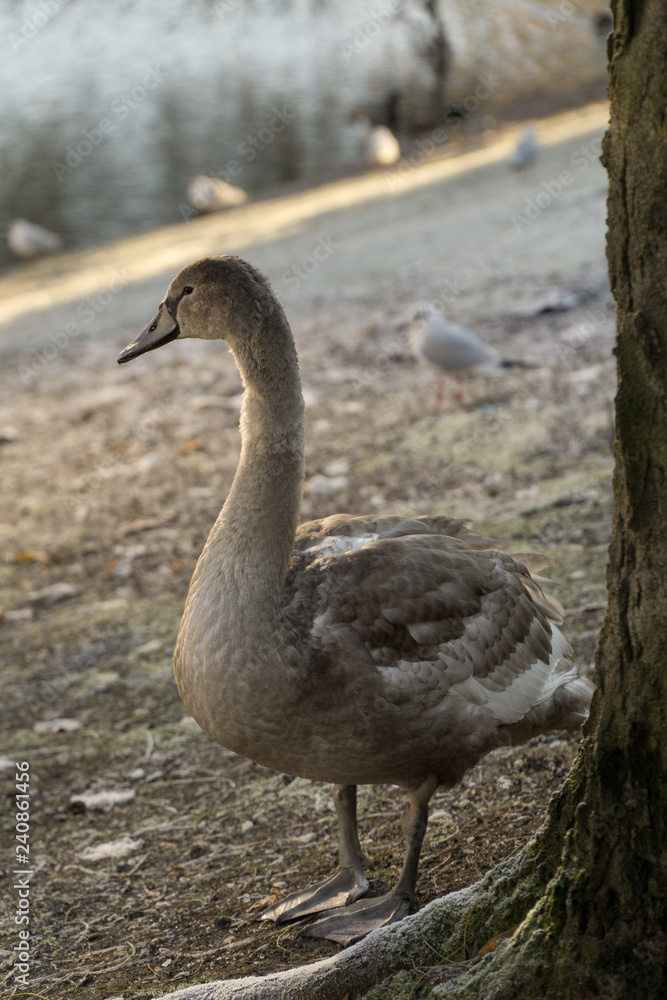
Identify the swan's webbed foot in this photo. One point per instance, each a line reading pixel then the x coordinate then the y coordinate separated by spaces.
pixel 347 885
pixel 359 919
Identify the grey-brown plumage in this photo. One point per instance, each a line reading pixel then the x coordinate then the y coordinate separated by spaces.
pixel 352 649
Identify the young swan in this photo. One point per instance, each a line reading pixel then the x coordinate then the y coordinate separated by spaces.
pixel 352 649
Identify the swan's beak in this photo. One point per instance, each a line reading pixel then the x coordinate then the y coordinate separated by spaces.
pixel 161 330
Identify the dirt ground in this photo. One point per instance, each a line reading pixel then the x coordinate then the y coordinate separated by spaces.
pixel 112 478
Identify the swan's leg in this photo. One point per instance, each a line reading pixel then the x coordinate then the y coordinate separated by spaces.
pixel 349 882
pixel 357 920
pixel 458 395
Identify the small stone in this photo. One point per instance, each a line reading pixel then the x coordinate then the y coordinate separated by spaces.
pixel 53 594
pixel 306 838
pixel 341 467
pixel 19 615
pixel 550 300
pixel 102 680
pixel 152 646
pixel 111 849
pixel 57 726
pixel 105 799
pixel 323 486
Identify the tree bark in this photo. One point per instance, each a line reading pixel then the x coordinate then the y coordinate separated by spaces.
pixel 436 50
pixel 590 891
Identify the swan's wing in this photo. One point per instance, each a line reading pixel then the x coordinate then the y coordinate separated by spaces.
pixel 335 529
pixel 430 615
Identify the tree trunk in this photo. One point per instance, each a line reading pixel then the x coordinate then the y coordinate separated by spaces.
pixel 590 891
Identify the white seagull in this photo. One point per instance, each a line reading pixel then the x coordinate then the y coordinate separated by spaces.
pixel 30 241
pixel 526 150
pixel 378 143
pixel 453 350
pixel 210 194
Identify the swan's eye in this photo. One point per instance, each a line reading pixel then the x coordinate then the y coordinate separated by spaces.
pixel 188 290
pixel 152 327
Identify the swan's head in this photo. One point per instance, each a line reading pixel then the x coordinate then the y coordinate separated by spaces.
pixel 215 298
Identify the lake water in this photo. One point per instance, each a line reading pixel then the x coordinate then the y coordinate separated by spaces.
pixel 109 108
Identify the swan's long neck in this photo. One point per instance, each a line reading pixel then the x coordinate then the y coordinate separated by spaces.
pixel 246 556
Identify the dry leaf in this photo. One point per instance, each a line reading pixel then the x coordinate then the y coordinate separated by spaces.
pixel 143 524
pixel 192 444
pixel 28 555
pixel 493 943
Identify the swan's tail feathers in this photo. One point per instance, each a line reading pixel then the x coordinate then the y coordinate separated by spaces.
pixel 574 700
pixel 567 708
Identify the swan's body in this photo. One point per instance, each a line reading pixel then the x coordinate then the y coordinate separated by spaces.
pixel 30 241
pixel 352 650
pixel 453 350
pixel 210 194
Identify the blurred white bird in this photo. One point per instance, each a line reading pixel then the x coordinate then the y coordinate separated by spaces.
pixel 453 350
pixel 379 145
pixel 526 150
pixel 210 194
pixel 30 241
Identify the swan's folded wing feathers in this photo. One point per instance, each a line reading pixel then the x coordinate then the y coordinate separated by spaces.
pixel 433 615
pixel 312 533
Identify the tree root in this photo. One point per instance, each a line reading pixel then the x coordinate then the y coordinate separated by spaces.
pixel 436 934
